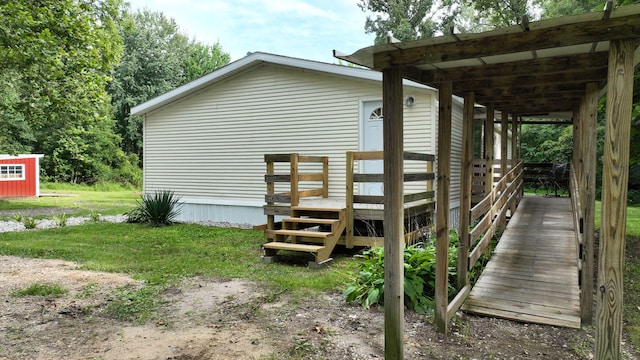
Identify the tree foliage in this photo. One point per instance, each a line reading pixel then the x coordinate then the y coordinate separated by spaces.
pixel 406 19
pixel 55 57
pixel 157 58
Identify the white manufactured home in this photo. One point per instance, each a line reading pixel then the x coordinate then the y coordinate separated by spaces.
pixel 207 140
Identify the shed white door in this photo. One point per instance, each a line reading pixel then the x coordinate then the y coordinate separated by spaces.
pixel 372 140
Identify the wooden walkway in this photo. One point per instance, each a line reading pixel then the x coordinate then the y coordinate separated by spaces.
pixel 533 275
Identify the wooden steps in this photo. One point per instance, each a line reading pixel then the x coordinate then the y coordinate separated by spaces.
pixel 311 230
pixel 293 247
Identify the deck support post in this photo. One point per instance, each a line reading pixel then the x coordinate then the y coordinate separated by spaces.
pixel 442 206
pixel 514 156
pixel 590 141
pixel 615 180
pixel 489 128
pixel 465 189
pixel 393 213
pixel 504 141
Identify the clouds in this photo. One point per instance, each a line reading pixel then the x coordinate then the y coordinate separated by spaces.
pixel 308 29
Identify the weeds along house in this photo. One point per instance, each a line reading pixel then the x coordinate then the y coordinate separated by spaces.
pixel 207 140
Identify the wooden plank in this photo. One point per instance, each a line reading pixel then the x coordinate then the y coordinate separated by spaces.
pixel 457 301
pixel 292 247
pixel 277 198
pixel 589 172
pixel 466 172
pixel 368 155
pixel 615 178
pixel 587 32
pixel 349 201
pixel 313 234
pixel 295 199
pixel 442 213
pixel 516 315
pixel 408 155
pixel 277 178
pixel 368 199
pixel 504 141
pixel 311 221
pixel 419 196
pixel 309 193
pixel 277 158
pixel 393 213
pixel 310 177
pixel 532 275
pixel 310 159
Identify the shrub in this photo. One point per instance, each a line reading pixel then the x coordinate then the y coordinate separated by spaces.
pixel 29 223
pixel 61 220
pixel 19 217
pixel 158 209
pixel 419 276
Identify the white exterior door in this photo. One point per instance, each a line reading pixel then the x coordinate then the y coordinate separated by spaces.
pixel 372 140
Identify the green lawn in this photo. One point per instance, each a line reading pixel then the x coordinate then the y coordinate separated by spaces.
pixel 162 254
pixel 77 199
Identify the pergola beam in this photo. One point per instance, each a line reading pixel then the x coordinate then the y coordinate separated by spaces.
pixel 553 65
pixel 611 29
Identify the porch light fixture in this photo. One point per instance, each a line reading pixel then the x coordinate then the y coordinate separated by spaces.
pixel 409 101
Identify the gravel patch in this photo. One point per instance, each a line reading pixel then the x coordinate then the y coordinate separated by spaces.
pixel 41 224
pixel 11 225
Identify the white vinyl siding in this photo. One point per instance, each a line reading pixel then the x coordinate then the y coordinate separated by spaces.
pixel 209 147
pixel 219 136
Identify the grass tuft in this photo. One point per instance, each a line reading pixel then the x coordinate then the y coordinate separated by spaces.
pixel 41 289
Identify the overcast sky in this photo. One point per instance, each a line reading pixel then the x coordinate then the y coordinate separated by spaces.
pixel 309 29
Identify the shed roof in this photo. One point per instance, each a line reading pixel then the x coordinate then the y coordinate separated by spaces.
pixel 531 69
pixel 251 61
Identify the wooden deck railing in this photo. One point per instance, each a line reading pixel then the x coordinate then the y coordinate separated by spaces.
pixel 354 178
pixel 578 222
pixel 489 215
pixel 293 177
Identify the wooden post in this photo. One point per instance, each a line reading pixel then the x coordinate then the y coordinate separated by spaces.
pixel 325 176
pixel 393 213
pixel 504 141
pixel 294 179
pixel 488 148
pixel 271 189
pixel 442 207
pixel 514 141
pixel 349 201
pixel 465 189
pixel 615 180
pixel 590 141
pixel 514 155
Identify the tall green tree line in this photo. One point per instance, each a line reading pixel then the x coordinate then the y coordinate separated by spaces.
pixel 70 70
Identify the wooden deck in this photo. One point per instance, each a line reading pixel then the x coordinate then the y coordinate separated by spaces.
pixel 533 275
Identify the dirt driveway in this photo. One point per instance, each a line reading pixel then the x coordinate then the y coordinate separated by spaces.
pixel 207 318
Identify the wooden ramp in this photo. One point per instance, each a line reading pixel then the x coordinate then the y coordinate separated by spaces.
pixel 533 274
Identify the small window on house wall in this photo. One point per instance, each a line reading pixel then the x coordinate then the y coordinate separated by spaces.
pixel 376 114
pixel 11 172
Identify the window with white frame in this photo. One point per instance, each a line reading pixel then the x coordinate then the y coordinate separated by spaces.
pixel 11 172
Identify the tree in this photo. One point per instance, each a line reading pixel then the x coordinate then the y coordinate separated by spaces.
pixel 203 59
pixel 63 51
pixel 157 58
pixel 406 19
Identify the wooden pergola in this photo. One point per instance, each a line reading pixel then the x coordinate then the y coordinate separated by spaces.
pixel 557 66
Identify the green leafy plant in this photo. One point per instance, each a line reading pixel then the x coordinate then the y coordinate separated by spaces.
pixel 131 304
pixel 40 289
pixel 19 217
pixel 29 223
pixel 94 215
pixel 419 276
pixel 61 220
pixel 158 209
